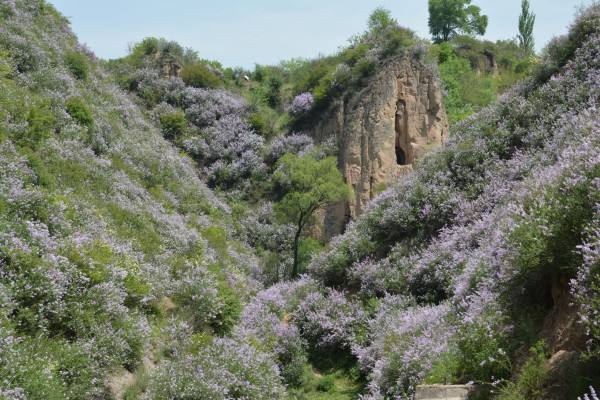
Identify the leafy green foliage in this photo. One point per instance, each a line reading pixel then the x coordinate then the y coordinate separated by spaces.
pixel 308 184
pixel 262 122
pixel 448 18
pixel 78 64
pixel 326 384
pixel 307 248
pixel 526 23
pixel 79 111
pixel 41 122
pixel 273 96
pixel 470 80
pixel 200 76
pixel 380 20
pixel 173 124
pixel 532 378
pixel 160 53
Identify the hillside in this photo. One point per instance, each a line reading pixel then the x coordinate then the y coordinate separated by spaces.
pixel 104 225
pixel 146 253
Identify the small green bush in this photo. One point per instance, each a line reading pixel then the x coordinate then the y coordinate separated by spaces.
pixel 198 75
pixel 258 121
pixel 482 352
pixel 532 378
pixel 326 383
pixel 77 109
pixel 173 124
pixel 41 122
pixel 229 312
pixel 77 64
pixel 146 47
pixel 307 248
pixel 274 91
pixel 217 239
pixel 364 67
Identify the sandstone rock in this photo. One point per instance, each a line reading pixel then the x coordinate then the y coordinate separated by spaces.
pixel 443 392
pixel 382 130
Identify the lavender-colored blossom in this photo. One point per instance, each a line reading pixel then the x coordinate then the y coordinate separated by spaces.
pixel 302 103
pixel 296 143
pixel 591 396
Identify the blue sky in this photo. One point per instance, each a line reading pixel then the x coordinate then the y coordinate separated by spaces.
pixel 245 32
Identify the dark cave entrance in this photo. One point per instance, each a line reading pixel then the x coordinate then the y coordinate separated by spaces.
pixel 401 133
pixel 400 155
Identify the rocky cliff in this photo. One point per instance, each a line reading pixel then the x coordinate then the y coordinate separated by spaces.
pixel 382 130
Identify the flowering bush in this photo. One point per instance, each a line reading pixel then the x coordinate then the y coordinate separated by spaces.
pixel 591 396
pixel 296 143
pixel 330 320
pixel 272 240
pixel 223 370
pixel 229 149
pixel 403 344
pixel 303 103
pixel 268 320
pixel 204 107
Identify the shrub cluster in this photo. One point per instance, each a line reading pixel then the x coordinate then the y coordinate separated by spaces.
pixel 199 76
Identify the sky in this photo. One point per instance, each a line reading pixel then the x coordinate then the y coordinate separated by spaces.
pixel 247 32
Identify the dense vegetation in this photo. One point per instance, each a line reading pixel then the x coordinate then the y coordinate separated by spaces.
pixel 153 210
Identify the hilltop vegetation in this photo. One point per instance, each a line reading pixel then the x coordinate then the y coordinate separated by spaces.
pixel 155 212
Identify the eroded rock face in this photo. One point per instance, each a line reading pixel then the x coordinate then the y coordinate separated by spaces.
pixel 382 130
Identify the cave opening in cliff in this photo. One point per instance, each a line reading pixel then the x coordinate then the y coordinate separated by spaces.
pixel 400 155
pixel 401 129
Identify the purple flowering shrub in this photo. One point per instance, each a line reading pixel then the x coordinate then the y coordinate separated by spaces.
pixel 272 240
pixel 229 149
pixel 223 369
pixel 295 143
pixel 267 320
pixel 585 287
pixel 222 141
pixel 204 107
pixel 302 103
pixel 403 342
pixel 591 396
pixel 330 320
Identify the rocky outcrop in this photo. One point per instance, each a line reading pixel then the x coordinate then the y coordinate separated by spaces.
pixel 443 392
pixel 382 130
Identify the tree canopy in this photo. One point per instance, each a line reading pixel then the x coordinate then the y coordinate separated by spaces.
pixel 526 22
pixel 450 17
pixel 380 19
pixel 309 184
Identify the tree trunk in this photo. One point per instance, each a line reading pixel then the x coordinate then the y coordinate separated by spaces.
pixel 296 244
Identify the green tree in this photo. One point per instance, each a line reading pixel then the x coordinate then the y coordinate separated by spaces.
pixel 449 17
pixel 274 91
pixel 308 184
pixel 380 20
pixel 526 22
